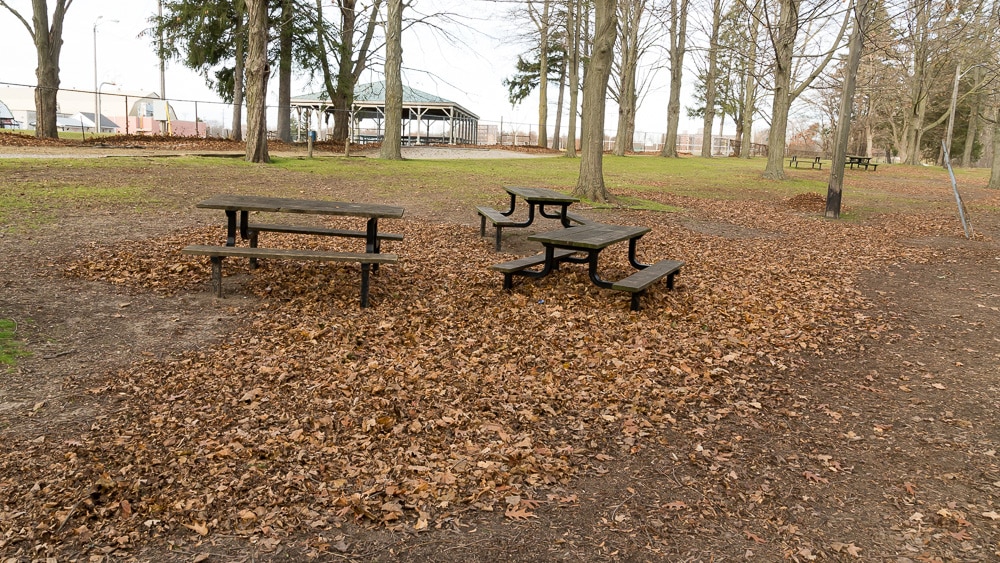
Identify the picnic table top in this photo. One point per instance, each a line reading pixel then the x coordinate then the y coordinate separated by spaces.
pixel 593 236
pixel 540 195
pixel 231 202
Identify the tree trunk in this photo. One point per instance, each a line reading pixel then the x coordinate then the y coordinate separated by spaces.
pixel 48 46
pixel 973 130
pixel 343 94
pixel 590 184
pixel 995 168
pixel 543 77
pixel 257 71
pixel 630 15
pixel 573 10
pixel 750 84
pixel 391 149
pixel 239 34
pixel 285 73
pixel 710 79
pixel 678 37
pixel 835 185
pixel 556 143
pixel 788 27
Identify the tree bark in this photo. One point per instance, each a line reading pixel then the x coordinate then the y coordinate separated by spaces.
pixel 590 183
pixel 710 80
pixel 285 72
pixel 556 143
pixel 995 168
pixel 834 190
pixel 629 17
pixel 750 88
pixel 573 11
pixel 543 77
pixel 239 34
pixel 678 38
pixel 48 46
pixel 788 26
pixel 391 149
pixel 257 71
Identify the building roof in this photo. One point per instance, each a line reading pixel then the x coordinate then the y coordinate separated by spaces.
pixel 369 96
pixel 105 122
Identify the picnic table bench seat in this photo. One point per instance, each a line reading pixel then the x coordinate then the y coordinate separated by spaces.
pixel 637 283
pixel 217 253
pixel 498 219
pixel 580 219
pixel 508 269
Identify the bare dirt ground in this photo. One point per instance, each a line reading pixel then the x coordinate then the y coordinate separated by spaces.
pixel 875 440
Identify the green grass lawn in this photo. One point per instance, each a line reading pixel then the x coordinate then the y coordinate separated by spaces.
pixel 10 349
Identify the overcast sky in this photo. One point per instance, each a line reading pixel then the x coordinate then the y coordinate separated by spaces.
pixel 470 75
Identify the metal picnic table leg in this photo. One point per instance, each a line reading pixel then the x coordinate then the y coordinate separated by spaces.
pixel 371 243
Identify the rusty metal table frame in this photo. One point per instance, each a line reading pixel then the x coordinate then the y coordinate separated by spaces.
pixel 539 197
pixel 588 239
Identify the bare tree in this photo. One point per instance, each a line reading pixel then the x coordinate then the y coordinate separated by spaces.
pixel 711 80
pixel 542 22
pixel 574 11
pixel 257 73
pixel 590 183
pixel 285 71
pixel 677 31
pixel 635 37
pixel 391 149
pixel 783 38
pixel 48 45
pixel 750 80
pixel 834 191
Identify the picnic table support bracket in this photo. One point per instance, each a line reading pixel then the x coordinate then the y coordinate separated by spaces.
pixel 561 215
pixel 592 271
pixel 371 246
pixel 631 255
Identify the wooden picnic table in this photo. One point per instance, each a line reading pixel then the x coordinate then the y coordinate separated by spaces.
pixel 860 161
pixel 238 208
pixel 567 245
pixel 534 197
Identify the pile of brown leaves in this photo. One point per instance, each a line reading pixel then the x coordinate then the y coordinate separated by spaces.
pixel 449 394
pixel 811 202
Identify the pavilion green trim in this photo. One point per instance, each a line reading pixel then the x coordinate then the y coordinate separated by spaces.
pixel 427 119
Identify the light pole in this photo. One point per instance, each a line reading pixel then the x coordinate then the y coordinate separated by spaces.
pixel 98 118
pixel 97 95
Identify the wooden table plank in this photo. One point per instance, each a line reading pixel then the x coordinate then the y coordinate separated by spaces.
pixel 592 236
pixel 540 195
pixel 232 202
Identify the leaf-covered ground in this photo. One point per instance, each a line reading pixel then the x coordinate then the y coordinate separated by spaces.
pixel 741 415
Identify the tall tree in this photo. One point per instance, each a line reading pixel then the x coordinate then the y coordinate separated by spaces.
pixel 750 81
pixel 257 72
pixel 48 45
pixel 240 37
pixel 285 40
pixel 542 20
pixel 590 183
pixel 783 39
pixel 677 32
pixel 632 43
pixel 350 44
pixel 391 149
pixel 711 79
pixel 574 11
pixel 835 185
